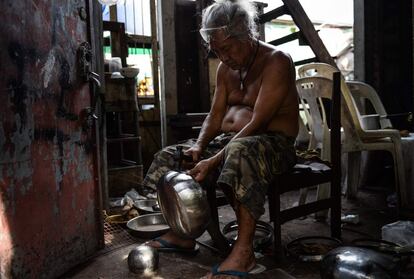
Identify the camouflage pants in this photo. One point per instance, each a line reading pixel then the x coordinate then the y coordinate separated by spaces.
pixel 164 159
pixel 249 165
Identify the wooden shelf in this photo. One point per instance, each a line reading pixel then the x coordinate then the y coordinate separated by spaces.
pixel 120 166
pixel 122 177
pixel 123 139
pixel 146 100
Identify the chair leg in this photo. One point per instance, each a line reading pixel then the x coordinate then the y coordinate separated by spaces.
pixel 336 222
pixel 399 173
pixel 271 202
pixel 354 168
pixel 344 171
pixel 213 228
pixel 274 210
pixel 211 197
pixel 303 193
pixel 220 241
pixel 336 209
pixel 278 248
pixel 324 191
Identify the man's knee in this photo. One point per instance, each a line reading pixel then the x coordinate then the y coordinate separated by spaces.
pixel 166 152
pixel 238 145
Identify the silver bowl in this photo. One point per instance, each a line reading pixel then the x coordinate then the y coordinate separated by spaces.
pixel 349 262
pixel 263 235
pixel 311 248
pixel 147 206
pixel 184 204
pixel 143 258
pixel 148 226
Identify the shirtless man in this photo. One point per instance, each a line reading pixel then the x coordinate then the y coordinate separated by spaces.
pixel 253 119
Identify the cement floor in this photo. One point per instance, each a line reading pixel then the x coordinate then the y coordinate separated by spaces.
pixel 370 206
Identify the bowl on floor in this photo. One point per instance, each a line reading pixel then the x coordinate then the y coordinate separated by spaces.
pixel 148 226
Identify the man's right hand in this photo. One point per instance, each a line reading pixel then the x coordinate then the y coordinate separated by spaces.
pixel 195 152
pixel 204 167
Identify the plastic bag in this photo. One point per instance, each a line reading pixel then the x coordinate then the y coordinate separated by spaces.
pixel 400 232
pixel 134 195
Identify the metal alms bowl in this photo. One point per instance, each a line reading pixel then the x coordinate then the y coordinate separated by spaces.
pixel 183 204
pixel 143 258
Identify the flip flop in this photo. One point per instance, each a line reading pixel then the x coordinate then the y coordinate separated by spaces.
pixel 258 268
pixel 166 246
pixel 230 272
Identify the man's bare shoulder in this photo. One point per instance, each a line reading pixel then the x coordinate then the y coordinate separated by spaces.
pixel 275 58
pixel 223 70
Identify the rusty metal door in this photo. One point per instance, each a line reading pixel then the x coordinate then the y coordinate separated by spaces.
pixel 49 182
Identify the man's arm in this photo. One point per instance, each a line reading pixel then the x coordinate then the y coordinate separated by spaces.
pixel 212 124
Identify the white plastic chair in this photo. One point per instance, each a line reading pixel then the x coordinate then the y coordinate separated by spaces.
pixel 363 92
pixel 358 139
pixel 312 92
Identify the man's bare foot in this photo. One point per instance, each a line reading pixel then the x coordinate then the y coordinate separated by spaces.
pixel 241 259
pixel 172 238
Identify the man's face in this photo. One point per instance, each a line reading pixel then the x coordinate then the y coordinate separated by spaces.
pixel 227 49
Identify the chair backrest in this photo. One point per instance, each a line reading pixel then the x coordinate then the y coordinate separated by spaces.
pixel 311 94
pixel 304 137
pixel 312 91
pixel 316 69
pixel 362 92
pixel 350 114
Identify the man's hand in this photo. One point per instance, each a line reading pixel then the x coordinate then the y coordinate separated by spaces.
pixel 200 171
pixel 204 167
pixel 195 152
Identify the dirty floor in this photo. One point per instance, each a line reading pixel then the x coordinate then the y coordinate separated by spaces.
pixel 371 207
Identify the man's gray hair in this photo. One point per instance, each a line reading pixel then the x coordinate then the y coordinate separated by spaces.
pixel 238 15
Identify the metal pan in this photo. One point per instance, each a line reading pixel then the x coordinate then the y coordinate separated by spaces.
pixel 312 248
pixel 148 226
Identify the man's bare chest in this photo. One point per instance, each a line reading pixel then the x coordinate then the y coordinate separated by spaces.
pixel 238 97
pixel 246 97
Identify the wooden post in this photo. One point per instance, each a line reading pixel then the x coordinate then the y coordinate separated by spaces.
pixel 154 50
pixel 335 139
pixel 359 40
pixel 168 93
pixel 96 40
pixel 203 67
pixel 113 13
pixel 306 27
